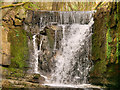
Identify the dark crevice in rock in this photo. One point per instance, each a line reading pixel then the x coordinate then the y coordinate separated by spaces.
pixel 4 20
pixel 14 23
pixel 18 18
pixel 4 65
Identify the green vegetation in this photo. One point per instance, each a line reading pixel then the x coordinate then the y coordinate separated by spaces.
pixel 108 39
pixel 32 6
pixel 106 49
pixel 19 48
pixel 117 50
pixel 13 73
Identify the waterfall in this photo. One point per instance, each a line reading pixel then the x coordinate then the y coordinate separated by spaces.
pixel 63 32
pixel 72 58
pixel 72 61
pixel 55 40
pixel 36 53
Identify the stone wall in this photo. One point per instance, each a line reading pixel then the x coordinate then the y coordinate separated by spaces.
pixel 5 48
pixel 4 44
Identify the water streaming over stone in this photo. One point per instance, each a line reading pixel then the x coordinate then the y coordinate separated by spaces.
pixel 72 58
pixel 36 53
pixel 55 40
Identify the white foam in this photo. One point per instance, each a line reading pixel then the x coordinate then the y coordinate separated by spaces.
pixel 71 86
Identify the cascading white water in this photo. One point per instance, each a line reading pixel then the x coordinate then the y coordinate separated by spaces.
pixel 36 53
pixel 72 60
pixel 55 40
pixel 73 56
pixel 63 40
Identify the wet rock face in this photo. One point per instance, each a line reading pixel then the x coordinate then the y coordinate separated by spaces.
pixel 47 26
pixel 47 47
pixel 45 41
pixel 44 56
pixel 99 48
pixel 104 47
pixel 35 78
pixel 35 20
pixel 47 31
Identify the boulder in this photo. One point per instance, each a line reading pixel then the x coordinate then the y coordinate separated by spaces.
pixel 28 18
pixel 50 28
pixel 35 78
pixel 21 13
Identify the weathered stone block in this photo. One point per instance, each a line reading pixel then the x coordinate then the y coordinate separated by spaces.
pixel 5 48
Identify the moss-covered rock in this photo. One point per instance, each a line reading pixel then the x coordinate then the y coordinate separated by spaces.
pixel 13 84
pixel 19 48
pixel 35 78
pixel 105 47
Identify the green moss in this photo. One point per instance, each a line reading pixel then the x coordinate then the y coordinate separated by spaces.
pixel 117 50
pixel 19 49
pixel 106 67
pixel 26 6
pixel 100 67
pixel 69 9
pixel 99 39
pixel 115 16
pixel 16 72
pixel 108 39
pixel 118 33
pixel 31 6
pixel 34 6
pixel 12 72
pixel 75 7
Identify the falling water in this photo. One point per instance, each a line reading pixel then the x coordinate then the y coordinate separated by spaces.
pixel 63 39
pixel 55 40
pixel 73 61
pixel 36 53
